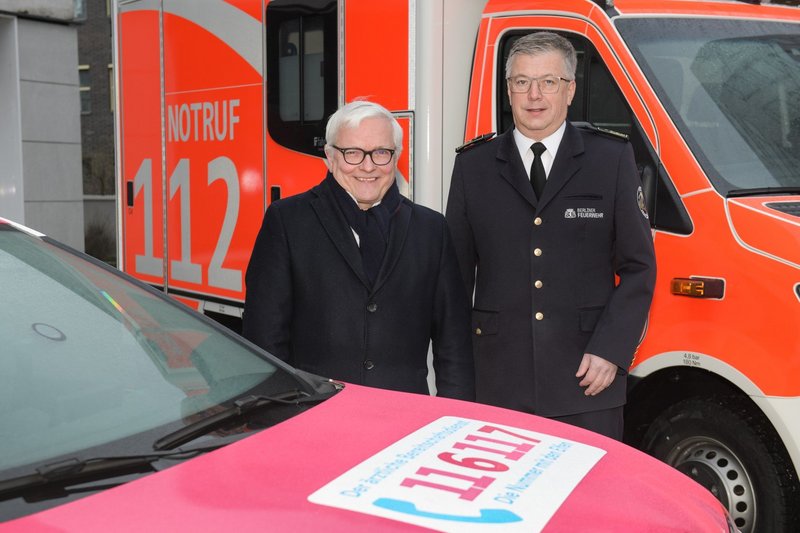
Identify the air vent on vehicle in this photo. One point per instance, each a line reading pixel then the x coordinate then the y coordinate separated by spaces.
pixel 790 208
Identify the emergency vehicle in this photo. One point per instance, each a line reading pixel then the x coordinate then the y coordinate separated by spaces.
pixel 221 109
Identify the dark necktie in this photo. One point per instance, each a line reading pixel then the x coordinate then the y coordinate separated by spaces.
pixel 538 176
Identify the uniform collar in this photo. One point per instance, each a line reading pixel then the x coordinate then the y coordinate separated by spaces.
pixel 551 142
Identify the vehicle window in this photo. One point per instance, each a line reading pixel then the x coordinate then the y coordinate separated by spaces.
pixel 89 357
pixel 597 98
pixel 605 107
pixel 732 88
pixel 599 101
pixel 301 72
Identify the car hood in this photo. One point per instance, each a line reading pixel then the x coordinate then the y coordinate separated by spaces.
pixel 768 225
pixel 264 482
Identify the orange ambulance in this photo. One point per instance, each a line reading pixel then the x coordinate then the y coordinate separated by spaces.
pixel 222 107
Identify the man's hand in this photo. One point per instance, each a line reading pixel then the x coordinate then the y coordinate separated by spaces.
pixel 597 374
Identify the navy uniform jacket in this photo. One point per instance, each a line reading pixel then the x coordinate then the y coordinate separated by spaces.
pixel 309 302
pixel 543 273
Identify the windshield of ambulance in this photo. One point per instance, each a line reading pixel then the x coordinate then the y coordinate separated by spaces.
pixel 732 87
pixel 88 358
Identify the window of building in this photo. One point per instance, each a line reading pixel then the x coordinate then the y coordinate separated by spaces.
pixel 84 79
pixel 80 13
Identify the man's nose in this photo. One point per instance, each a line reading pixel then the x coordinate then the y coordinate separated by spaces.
pixel 534 91
pixel 367 163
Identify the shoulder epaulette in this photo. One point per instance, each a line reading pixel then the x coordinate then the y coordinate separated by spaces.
pixel 475 142
pixel 601 131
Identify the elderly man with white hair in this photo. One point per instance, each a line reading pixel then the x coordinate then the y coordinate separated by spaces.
pixel 352 281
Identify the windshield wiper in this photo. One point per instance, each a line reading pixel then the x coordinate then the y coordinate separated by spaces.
pixel 762 191
pixel 77 470
pixel 240 408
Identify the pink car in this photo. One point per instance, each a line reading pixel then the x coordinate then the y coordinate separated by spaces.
pixel 122 410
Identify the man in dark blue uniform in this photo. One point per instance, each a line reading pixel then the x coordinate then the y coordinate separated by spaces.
pixel 554 242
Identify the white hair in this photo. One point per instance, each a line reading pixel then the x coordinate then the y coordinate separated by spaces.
pixel 350 115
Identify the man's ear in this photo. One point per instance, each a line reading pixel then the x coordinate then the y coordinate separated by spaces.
pixel 571 92
pixel 328 158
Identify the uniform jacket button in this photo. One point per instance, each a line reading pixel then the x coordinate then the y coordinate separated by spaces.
pixel 372 307
pixel 537 252
pixel 539 316
pixel 478 331
pixel 537 221
pixel 538 284
pixel 369 365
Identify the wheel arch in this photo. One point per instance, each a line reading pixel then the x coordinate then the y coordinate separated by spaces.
pixel 662 381
pixel 651 394
pixel 661 402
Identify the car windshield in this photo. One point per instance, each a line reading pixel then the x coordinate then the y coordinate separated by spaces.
pixel 90 357
pixel 732 87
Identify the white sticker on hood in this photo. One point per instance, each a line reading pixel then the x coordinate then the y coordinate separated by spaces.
pixel 457 474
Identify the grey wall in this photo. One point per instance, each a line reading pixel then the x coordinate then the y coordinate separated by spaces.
pixel 50 129
pixel 11 183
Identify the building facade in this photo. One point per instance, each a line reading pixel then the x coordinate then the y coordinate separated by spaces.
pixel 40 131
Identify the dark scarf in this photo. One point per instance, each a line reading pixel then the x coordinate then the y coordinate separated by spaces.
pixel 372 225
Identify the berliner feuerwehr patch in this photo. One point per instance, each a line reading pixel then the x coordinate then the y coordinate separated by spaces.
pixel 641 202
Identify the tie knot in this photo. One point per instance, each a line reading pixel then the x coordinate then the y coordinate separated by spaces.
pixel 538 149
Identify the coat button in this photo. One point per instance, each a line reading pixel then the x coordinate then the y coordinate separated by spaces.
pixel 372 307
pixel 537 221
pixel 537 252
pixel 538 284
pixel 539 316
pixel 369 365
pixel 478 331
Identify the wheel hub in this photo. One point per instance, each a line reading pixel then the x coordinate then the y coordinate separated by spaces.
pixel 715 467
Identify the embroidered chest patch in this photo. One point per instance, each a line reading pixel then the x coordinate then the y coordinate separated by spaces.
pixel 583 212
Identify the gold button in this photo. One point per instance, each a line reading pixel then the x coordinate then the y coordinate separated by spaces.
pixel 538 284
pixel 539 316
pixel 537 252
pixel 537 221
pixel 478 331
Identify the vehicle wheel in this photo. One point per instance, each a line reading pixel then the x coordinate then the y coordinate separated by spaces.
pixel 732 451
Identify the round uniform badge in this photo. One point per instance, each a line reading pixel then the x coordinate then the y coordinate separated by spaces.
pixel 641 202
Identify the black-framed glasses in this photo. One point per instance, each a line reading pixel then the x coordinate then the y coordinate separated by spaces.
pixel 545 84
pixel 355 156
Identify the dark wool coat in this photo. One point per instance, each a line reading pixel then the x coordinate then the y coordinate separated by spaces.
pixel 309 302
pixel 543 273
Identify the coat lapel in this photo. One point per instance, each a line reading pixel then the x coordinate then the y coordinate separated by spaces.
pixel 398 231
pixel 565 165
pixel 511 169
pixel 337 228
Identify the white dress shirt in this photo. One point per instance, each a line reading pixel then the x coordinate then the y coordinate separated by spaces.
pixel 548 156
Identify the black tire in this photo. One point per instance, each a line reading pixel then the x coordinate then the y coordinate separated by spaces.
pixel 728 447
